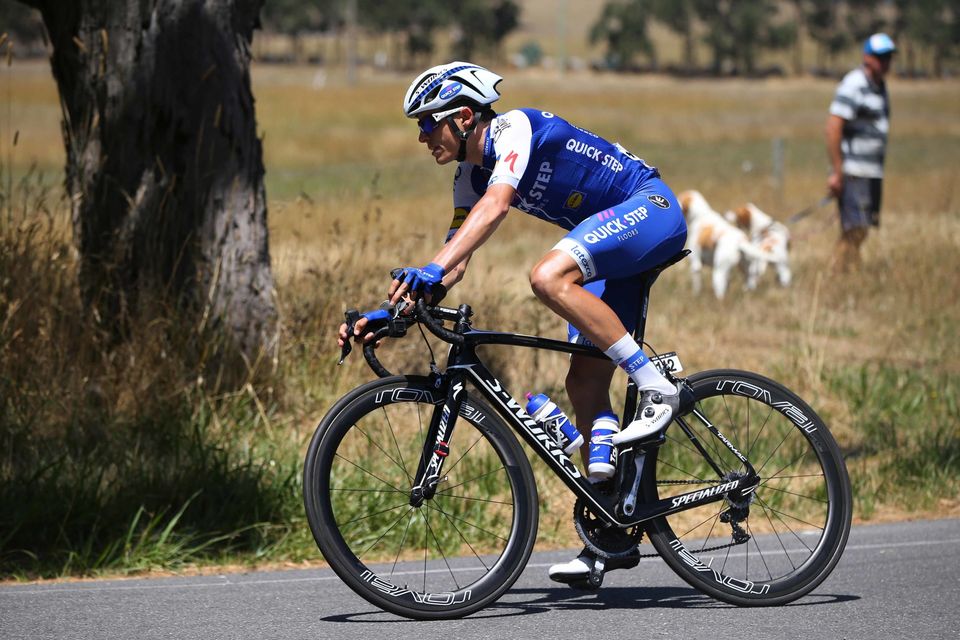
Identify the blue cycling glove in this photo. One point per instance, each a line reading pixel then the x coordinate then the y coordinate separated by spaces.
pixel 422 279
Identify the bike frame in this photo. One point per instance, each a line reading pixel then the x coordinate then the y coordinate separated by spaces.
pixel 464 364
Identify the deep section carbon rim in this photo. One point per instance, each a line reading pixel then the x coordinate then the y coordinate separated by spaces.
pixel 453 554
pixel 774 544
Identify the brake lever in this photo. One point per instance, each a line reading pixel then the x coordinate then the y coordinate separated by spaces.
pixel 352 316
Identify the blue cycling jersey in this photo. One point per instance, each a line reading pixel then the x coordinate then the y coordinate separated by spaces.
pixel 561 173
pixel 620 217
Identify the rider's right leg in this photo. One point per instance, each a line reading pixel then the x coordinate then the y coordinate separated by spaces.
pixel 588 388
pixel 557 281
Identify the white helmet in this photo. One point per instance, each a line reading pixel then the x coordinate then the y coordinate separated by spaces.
pixel 449 85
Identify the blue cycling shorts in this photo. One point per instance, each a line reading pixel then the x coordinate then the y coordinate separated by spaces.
pixel 614 246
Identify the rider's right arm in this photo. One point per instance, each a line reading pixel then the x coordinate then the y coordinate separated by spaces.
pixel 469 184
pixel 455 273
pixel 482 221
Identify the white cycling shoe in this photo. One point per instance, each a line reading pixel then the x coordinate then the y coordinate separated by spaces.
pixel 577 571
pixel 656 411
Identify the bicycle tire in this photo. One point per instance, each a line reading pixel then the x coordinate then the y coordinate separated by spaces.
pixel 457 552
pixel 799 517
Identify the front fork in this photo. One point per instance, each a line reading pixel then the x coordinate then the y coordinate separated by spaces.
pixel 436 445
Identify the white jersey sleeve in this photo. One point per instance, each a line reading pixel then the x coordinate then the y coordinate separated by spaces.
pixel 466 181
pixel 512 142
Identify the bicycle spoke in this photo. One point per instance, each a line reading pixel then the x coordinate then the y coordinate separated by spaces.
pixel 464 538
pixel 464 454
pixel 756 545
pixel 341 490
pixel 442 555
pixel 369 473
pixel 773 528
pixel 367 516
pixel 763 465
pixel 686 473
pixel 781 515
pixel 383 535
pixel 472 480
pixel 788 527
pixel 376 443
pixel 472 499
pixel 715 517
pixel 789 464
pixel 437 508
pixel 794 493
pixel 393 433
pixel 406 530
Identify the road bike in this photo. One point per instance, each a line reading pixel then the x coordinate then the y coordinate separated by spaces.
pixel 422 500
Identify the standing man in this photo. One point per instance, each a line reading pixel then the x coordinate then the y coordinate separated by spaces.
pixel 857 129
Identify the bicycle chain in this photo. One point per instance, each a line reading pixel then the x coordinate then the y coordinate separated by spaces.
pixel 584 534
pixel 716 548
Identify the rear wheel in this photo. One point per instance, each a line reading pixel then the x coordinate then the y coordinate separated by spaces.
pixel 452 555
pixel 784 539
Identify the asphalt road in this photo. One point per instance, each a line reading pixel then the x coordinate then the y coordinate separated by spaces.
pixel 894 581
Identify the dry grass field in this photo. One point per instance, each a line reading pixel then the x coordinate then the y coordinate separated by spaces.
pixel 352 194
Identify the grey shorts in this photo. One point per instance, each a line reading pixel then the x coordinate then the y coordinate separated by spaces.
pixel 860 202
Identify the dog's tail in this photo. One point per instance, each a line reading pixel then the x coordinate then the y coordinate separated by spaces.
pixel 751 250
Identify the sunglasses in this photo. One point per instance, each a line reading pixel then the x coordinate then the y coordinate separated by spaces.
pixel 431 122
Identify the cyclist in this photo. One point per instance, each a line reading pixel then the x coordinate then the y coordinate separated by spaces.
pixel 620 218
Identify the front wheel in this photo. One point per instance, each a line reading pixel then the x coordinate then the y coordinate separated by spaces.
pixel 453 554
pixel 776 544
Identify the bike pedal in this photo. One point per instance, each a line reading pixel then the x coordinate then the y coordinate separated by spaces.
pixel 584 585
pixel 595 579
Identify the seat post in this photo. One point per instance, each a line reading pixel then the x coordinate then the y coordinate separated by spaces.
pixel 639 330
pixel 648 278
pixel 630 399
pixel 641 325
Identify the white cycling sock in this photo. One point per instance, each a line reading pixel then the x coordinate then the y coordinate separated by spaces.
pixel 628 355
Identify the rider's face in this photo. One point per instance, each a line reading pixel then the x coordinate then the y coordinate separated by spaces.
pixel 442 141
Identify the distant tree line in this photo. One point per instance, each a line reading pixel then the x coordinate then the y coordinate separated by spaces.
pixel 735 35
pixel 478 26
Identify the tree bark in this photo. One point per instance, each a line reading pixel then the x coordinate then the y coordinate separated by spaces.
pixel 164 167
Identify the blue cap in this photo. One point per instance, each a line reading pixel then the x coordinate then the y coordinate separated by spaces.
pixel 879 44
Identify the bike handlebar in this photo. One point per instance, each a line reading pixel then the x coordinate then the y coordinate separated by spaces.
pixel 394 324
pixel 425 315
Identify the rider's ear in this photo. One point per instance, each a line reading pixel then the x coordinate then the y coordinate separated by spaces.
pixel 468 115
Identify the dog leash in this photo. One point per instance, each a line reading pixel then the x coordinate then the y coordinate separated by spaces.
pixel 803 213
pixel 814 232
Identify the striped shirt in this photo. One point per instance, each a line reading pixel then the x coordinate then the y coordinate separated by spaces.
pixel 866 109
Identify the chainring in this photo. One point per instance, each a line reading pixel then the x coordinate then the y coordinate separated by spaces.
pixel 601 538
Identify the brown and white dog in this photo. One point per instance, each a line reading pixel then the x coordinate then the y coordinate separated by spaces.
pixel 768 235
pixel 714 241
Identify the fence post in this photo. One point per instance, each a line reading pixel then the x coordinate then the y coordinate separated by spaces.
pixel 777 170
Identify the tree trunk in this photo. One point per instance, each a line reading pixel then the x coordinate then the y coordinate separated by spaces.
pixel 164 166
